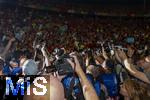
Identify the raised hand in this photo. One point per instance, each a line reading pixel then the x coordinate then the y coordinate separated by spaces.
pixel 103 51
pixel 88 90
pixel 122 55
pixel 102 44
pixel 12 39
pixel 75 63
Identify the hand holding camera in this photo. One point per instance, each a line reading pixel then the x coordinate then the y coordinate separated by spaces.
pixel 74 63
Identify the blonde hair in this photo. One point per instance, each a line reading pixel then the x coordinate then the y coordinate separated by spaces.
pixel 136 90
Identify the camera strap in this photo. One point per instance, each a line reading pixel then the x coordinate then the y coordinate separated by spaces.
pixel 72 83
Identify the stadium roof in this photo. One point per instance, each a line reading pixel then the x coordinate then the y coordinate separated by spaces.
pixel 106 2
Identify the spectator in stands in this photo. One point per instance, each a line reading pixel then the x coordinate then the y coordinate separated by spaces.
pixel 55 87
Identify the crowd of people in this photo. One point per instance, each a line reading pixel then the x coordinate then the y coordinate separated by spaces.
pixel 111 56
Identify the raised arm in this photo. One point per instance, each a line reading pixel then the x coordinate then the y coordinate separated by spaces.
pixel 45 55
pixel 88 90
pixel 131 68
pixel 104 52
pixel 8 47
pixel 117 56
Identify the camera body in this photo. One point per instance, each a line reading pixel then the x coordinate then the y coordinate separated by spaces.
pixel 63 67
pixel 61 64
pixel 39 41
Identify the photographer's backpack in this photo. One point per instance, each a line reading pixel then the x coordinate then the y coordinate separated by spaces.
pixel 73 89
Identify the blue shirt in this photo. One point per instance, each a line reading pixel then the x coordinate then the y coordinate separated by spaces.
pixel 6 70
pixel 16 71
pixel 76 89
pixel 97 87
pixel 111 83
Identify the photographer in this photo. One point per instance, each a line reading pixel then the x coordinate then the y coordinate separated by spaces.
pixel 54 85
pixel 87 88
pixel 108 77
